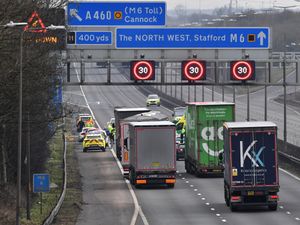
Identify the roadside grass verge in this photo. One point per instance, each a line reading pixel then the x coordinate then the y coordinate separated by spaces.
pixel 54 167
pixel 72 203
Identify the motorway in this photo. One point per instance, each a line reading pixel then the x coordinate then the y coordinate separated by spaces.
pixel 107 198
pixel 275 110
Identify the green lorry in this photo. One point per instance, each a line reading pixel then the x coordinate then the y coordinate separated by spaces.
pixel 204 136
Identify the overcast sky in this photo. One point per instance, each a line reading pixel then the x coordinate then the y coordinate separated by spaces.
pixel 211 4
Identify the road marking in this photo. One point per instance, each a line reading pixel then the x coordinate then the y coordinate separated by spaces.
pixel 71 103
pixel 218 215
pixel 212 209
pixel 297 218
pixel 289 213
pixel 199 194
pixel 207 203
pixel 224 221
pixel 288 107
pixel 191 185
pixel 292 175
pixel 203 199
pixel 85 99
pixel 72 93
pixel 187 182
pixel 137 208
pixel 195 189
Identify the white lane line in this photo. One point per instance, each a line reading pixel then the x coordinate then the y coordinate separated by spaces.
pixel 137 208
pixel 292 175
pixel 289 213
pixel 71 103
pixel 203 199
pixel 85 99
pixel 297 218
pixel 224 221
pixel 191 185
pixel 207 203
pixel 218 215
pixel 187 182
pixel 195 189
pixel 288 107
pixel 199 194
pixel 72 93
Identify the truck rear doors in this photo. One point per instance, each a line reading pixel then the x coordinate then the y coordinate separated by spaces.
pixel 254 161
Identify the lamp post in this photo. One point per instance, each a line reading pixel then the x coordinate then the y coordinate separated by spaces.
pixel 12 24
pixel 51 27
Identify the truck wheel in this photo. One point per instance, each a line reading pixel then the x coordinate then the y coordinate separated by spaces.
pixel 233 208
pixel 131 178
pixel 273 207
pixel 171 185
pixel 84 150
pixel 187 167
pixel 226 197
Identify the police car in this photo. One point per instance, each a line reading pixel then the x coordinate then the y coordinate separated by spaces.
pixel 94 142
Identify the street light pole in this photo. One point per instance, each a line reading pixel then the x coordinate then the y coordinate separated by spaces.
pixel 19 160
pixel 12 24
pixel 19 157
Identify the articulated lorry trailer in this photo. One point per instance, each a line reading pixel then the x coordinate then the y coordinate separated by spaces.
pixel 124 129
pixel 152 153
pixel 204 136
pixel 121 113
pixel 251 167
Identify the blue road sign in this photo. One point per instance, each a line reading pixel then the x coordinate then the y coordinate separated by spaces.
pixel 41 182
pixel 196 38
pixel 116 13
pixel 92 38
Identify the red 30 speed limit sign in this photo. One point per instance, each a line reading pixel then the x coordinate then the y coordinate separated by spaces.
pixel 142 70
pixel 193 70
pixel 242 70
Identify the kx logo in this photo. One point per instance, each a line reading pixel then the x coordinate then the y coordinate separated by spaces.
pixel 254 157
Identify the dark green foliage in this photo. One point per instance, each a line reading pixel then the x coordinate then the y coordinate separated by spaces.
pixel 41 75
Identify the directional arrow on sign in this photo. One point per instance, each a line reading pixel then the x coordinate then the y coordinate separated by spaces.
pixel 74 13
pixel 261 36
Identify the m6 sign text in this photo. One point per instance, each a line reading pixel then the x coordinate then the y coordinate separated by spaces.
pixel 142 70
pixel 193 70
pixel 242 70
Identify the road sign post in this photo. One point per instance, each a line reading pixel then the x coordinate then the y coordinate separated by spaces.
pixel 41 183
pixel 116 13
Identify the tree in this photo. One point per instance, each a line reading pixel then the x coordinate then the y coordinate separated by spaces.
pixel 41 74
